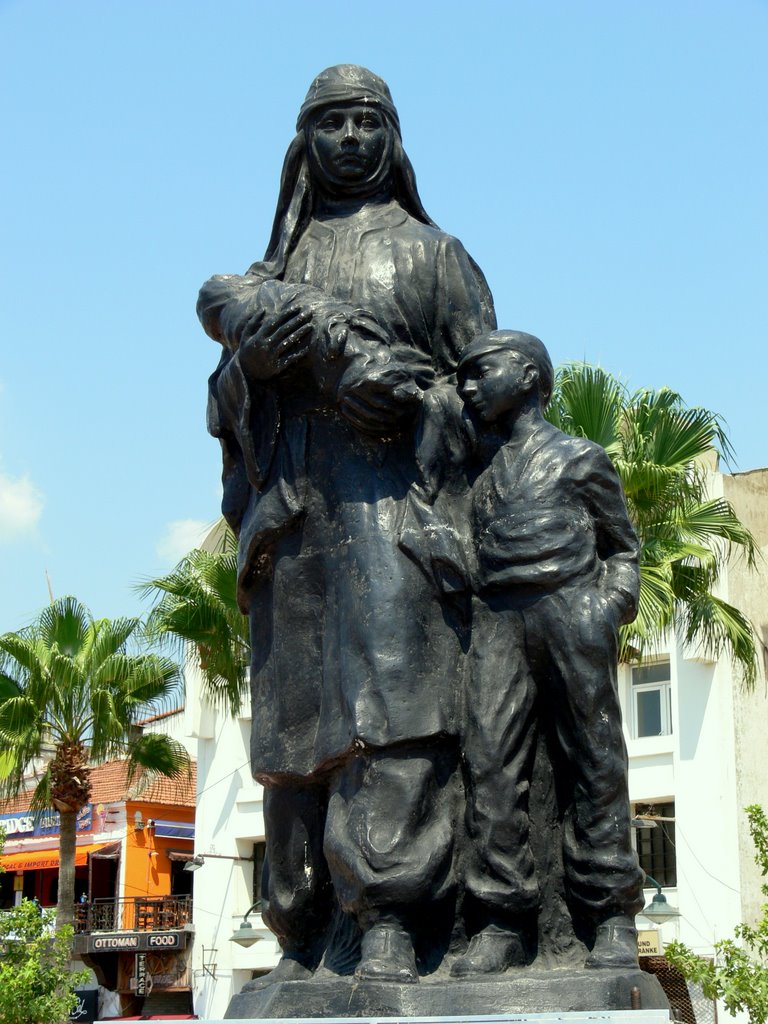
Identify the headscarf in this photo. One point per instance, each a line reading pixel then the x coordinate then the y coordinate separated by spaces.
pixel 339 85
pixel 347 83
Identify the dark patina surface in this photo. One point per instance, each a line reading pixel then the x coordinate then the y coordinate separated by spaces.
pixel 435 578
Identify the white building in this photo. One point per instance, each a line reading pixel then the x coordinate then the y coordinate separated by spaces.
pixel 696 748
pixel 696 743
pixel 230 840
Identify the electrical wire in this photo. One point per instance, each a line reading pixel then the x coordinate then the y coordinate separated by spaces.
pixel 679 832
pixel 224 778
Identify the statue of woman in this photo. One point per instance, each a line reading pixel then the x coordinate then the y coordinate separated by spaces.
pixel 360 303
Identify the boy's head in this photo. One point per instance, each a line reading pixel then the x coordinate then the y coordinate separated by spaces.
pixel 498 370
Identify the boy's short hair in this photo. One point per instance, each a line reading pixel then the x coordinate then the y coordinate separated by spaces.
pixel 513 341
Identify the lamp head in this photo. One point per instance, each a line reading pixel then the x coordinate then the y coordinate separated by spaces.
pixel 659 910
pixel 245 935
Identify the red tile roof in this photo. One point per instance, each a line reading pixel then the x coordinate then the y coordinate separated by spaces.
pixel 109 785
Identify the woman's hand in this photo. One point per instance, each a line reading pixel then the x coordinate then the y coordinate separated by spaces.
pixel 381 402
pixel 270 345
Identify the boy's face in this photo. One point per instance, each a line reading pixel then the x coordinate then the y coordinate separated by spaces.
pixel 495 384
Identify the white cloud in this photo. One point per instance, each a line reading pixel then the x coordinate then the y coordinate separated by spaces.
pixel 21 505
pixel 181 535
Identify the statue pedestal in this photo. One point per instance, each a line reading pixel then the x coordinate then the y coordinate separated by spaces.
pixel 518 995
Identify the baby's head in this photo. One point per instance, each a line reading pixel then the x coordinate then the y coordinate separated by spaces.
pixel 499 369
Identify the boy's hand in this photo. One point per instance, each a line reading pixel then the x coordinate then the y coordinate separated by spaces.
pixel 620 604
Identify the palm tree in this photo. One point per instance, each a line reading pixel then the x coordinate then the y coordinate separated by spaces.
pixel 661 449
pixel 70 697
pixel 197 614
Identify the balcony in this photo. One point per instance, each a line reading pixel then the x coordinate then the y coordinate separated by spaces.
pixel 137 914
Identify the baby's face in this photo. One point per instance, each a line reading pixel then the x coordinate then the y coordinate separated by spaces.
pixel 495 384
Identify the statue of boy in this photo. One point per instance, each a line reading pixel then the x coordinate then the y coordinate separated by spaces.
pixel 555 574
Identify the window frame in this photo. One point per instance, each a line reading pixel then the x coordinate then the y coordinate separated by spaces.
pixel 663 687
pixel 657 848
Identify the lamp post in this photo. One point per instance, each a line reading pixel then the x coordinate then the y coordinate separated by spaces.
pixel 199 860
pixel 244 935
pixel 659 910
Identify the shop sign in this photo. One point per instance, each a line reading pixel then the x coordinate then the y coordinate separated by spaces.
pixel 143 977
pixel 649 942
pixel 42 823
pixel 87 1008
pixel 115 942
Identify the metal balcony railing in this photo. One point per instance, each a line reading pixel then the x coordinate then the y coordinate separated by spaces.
pixel 133 914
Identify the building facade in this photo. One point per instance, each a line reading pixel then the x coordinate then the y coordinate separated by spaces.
pixel 133 913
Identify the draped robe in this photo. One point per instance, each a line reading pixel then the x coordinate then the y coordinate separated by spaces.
pixel 351 648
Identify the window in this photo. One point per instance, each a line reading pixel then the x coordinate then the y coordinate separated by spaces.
pixel 656 846
pixel 259 856
pixel 651 700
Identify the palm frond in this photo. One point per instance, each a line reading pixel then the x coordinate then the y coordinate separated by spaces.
pixel 587 402
pixel 715 519
pixel 196 612
pixel 673 433
pixel 42 797
pixel 647 484
pixel 20 656
pixel 9 687
pixel 137 680
pixel 655 612
pixel 111 636
pixel 21 721
pixel 716 626
pixel 660 448
pixel 152 755
pixel 64 625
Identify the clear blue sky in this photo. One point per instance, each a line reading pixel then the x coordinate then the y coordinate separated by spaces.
pixel 605 164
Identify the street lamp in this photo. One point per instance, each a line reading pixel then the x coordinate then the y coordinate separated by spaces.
pixel 659 910
pixel 245 935
pixel 199 859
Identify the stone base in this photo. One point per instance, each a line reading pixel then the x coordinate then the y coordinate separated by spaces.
pixel 520 991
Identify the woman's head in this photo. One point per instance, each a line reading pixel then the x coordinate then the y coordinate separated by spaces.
pixel 349 124
pixel 347 144
pixel 344 84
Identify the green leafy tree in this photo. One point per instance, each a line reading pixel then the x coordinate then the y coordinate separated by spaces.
pixel 70 695
pixel 660 448
pixel 739 973
pixel 196 612
pixel 36 984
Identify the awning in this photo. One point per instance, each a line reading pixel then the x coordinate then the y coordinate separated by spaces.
pixel 182 855
pixel 112 851
pixel 174 829
pixel 38 860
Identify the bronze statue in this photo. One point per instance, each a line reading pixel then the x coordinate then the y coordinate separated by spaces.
pixel 555 573
pixel 360 303
pixel 434 577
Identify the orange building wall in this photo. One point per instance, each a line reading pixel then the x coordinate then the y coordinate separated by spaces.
pixel 147 869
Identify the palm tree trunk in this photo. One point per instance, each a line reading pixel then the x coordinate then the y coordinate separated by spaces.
pixel 65 909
